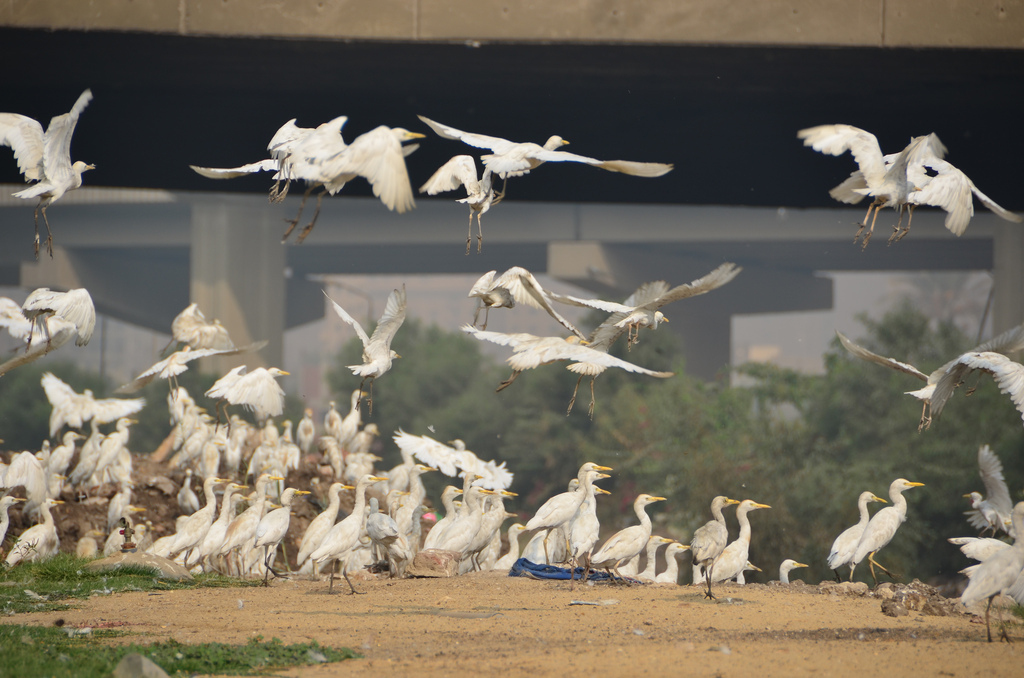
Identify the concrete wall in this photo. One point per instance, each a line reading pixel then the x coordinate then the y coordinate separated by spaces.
pixel 889 23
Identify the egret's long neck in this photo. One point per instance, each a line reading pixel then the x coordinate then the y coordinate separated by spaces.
pixel 225 507
pixel 652 554
pixel 716 513
pixel 744 535
pixel 645 520
pixel 671 567
pixel 513 543
pixel 862 506
pixel 783 576
pixel 899 502
pixel 211 497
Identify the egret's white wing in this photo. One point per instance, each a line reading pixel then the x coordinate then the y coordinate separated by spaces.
pixel 268 165
pixel 25 137
pixel 428 451
pixel 258 392
pixel 864 354
pixel 13 320
pixel 997 494
pixel 483 285
pixel 57 142
pixel 390 320
pixel 74 306
pixel 837 139
pixel 942 185
pixel 172 365
pixel 712 281
pixel 525 289
pixel 640 169
pixel 343 314
pixel 459 171
pixel 57 391
pixel 1000 212
pixel 496 144
pixel 377 156
pixel 979 548
pixel 111 409
pixel 287 136
pixel 1008 375
pixel 850 191
pixel 593 362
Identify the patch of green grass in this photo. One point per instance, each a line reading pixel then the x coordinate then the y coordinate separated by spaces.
pixel 38 651
pixel 54 583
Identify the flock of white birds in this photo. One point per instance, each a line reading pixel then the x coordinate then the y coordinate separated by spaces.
pixel 385 522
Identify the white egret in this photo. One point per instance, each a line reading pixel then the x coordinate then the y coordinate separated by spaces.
pixel 214 538
pixel 171 366
pixel 560 509
pixel 786 567
pixel 74 409
pixel 332 421
pixel 194 529
pixel 887 184
pixel 641 309
pixel 505 563
pixel 450 459
pixel 74 306
pixel 1009 375
pixel 385 534
pixel 305 432
pixel 343 537
pixel 436 533
pixel 256 391
pixel 993 511
pixel 584 530
pixel 845 544
pixel 345 428
pixel 60 457
pixel 671 573
pixel 734 557
pixel 190 327
pixel 480 195
pixel 530 351
pixel 628 542
pixel 49 335
pixel 511 159
pixel 748 567
pixel 999 573
pixel 462 531
pixel 709 540
pixel 272 528
pixel 25 470
pixel 188 502
pixel 377 353
pixel 39 542
pixel 882 527
pixel 7 501
pixel 491 518
pixel 321 524
pixel 87 546
pixel 45 158
pixel 515 286
pixel 979 548
pixel 1008 342
pixel 118 503
pixel 243 527
pixel 654 544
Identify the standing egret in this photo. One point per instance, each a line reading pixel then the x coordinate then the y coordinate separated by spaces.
pixel 530 351
pixel 8 501
pixel 188 502
pixel 215 535
pixel 584 531
pixel 343 537
pixel 480 195
pixel 321 524
pixel 272 528
pixel 734 557
pixel 748 567
pixel 845 544
pixel 386 536
pixel 709 540
pixel 436 534
pixel 305 432
pixel 654 544
pixel 671 573
pixel 999 573
pixel 993 511
pixel 1008 342
pixel 347 428
pixel 560 509
pixel 505 563
pixel 882 527
pixel 45 158
pixel 786 567
pixel 190 535
pixel 514 286
pixel 377 353
pixel 243 527
pixel 628 542
pixel 38 542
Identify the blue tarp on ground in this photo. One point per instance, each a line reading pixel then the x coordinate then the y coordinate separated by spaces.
pixel 528 568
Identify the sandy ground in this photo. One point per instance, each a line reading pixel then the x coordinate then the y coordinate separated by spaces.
pixel 513 626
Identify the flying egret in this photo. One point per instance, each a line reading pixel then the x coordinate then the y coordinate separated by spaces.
pixel 452 458
pixel 786 567
pixel 512 159
pixel 190 327
pixel 75 409
pixel 45 158
pixel 882 527
pixel 1008 342
pixel 999 573
pixel 734 557
pixel 48 335
pixel 74 306
pixel 845 544
pixel 272 528
pixel 257 391
pixel 993 511
pixel 709 540
pixel 887 184
pixel 480 195
pixel 530 351
pixel 39 542
pixel 978 548
pixel 322 159
pixel 377 352
pixel 628 542
pixel 641 309
pixel 170 367
pixel 1009 375
pixel 515 286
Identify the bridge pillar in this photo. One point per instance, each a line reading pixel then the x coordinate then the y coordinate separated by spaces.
pixel 1008 274
pixel 237 274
